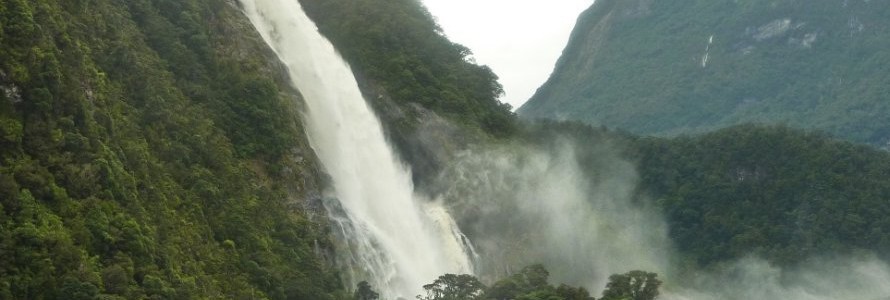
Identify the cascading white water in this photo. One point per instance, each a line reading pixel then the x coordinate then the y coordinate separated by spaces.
pixel 395 237
pixel 402 242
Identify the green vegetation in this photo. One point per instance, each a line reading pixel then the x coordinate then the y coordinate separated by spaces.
pixel 813 182
pixel 779 193
pixel 634 285
pixel 638 65
pixel 399 51
pixel 531 283
pixel 454 287
pixel 147 151
pixel 412 75
pixel 773 191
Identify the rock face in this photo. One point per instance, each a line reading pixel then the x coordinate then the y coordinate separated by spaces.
pixel 667 68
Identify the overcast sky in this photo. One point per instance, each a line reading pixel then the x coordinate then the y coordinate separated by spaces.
pixel 519 39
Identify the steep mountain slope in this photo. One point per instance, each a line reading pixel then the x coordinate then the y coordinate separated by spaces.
pixel 668 167
pixel 778 193
pixel 398 48
pixel 671 67
pixel 431 99
pixel 770 191
pixel 149 150
pixel 152 148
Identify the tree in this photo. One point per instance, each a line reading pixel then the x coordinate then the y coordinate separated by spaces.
pixel 454 287
pixel 634 285
pixel 529 284
pixel 573 293
pixel 529 279
pixel 364 292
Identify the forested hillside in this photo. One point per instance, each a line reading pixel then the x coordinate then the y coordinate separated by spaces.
pixel 772 191
pixel 813 182
pixel 672 67
pixel 150 151
pixel 397 47
pixel 151 148
pixel 775 192
pixel 431 99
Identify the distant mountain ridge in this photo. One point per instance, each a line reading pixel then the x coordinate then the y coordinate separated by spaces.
pixel 674 67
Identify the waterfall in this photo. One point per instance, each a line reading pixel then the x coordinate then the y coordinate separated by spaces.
pixel 394 238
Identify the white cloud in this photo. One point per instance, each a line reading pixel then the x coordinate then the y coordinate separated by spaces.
pixel 519 39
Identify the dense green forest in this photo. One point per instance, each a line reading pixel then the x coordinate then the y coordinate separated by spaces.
pixel 149 151
pixel 773 191
pixel 399 51
pixel 673 67
pixel 780 193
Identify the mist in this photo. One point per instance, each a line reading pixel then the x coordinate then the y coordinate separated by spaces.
pixel 863 277
pixel 528 204
pixel 524 205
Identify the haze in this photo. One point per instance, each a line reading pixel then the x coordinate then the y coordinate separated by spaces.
pixel 520 40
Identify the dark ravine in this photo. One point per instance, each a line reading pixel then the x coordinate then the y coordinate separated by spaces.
pixel 668 68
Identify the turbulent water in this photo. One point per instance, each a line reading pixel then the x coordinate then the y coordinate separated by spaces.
pixel 394 239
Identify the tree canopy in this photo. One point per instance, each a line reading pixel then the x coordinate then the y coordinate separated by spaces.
pixel 633 285
pixel 531 283
pixel 145 155
pixel 454 287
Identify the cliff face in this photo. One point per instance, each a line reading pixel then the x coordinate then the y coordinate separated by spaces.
pixel 668 68
pixel 150 149
pixel 153 148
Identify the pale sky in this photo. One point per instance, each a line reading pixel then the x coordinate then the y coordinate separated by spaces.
pixel 519 39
